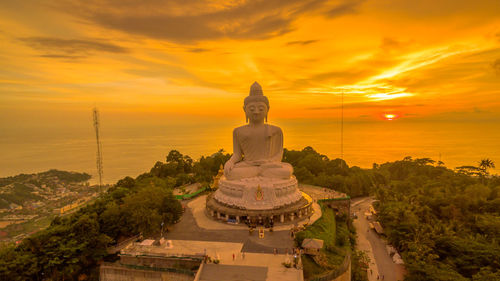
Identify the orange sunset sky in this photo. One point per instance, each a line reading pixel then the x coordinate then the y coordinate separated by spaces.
pixel 415 59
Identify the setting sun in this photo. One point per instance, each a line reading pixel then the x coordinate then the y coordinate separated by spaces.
pixel 390 116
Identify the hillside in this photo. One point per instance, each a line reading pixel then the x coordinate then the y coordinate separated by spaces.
pixel 26 189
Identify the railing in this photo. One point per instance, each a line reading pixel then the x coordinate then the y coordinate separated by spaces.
pixel 190 195
pixel 168 257
pixel 164 269
pixel 121 245
pixel 331 275
pixel 335 199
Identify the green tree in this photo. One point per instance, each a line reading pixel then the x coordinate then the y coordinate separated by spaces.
pixel 208 166
pixel 174 156
pixel 126 182
pixel 444 223
pixel 145 209
pixel 360 262
pixel 486 164
pixel 487 274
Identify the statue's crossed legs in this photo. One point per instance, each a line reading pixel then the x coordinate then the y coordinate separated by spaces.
pixel 275 170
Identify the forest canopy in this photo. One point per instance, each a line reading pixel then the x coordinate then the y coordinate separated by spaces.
pixel 445 222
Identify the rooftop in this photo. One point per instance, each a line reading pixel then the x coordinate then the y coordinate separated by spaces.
pixel 182 248
pixel 312 243
pixel 223 272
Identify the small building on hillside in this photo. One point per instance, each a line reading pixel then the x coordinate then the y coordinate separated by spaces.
pixel 378 228
pixel 397 259
pixel 368 216
pixel 312 246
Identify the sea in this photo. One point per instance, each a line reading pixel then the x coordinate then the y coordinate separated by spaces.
pixel 132 148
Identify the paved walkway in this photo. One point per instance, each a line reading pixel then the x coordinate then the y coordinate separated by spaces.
pixel 381 263
pixel 274 264
pixel 251 266
pixel 320 192
pixel 276 270
pixel 195 225
pixel 190 188
pixel 224 272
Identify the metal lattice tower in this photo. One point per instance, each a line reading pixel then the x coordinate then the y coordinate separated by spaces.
pixel 99 148
pixel 342 132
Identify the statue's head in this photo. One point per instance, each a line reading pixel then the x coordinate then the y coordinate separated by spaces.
pixel 256 105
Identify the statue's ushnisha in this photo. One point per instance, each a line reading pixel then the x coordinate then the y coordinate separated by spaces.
pixel 255 170
pixel 257 146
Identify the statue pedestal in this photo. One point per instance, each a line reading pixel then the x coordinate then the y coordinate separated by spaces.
pixel 258 193
pixel 258 200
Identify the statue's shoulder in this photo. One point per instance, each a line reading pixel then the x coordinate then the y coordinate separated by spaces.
pixel 244 127
pixel 240 129
pixel 274 129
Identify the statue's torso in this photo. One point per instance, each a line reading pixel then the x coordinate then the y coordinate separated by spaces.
pixel 258 142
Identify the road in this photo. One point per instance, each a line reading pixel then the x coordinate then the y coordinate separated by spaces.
pixel 381 263
pixel 188 229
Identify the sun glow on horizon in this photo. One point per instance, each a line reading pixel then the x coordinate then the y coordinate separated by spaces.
pixel 390 116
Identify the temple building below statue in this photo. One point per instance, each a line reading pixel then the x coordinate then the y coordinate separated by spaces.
pixel 287 214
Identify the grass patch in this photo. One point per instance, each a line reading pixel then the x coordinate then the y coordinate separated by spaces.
pixel 310 268
pixel 324 228
pixel 335 235
pixel 335 258
pixel 27 227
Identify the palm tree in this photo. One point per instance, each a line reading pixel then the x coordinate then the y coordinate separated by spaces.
pixel 486 164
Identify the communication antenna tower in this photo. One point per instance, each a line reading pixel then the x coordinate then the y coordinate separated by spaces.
pixel 99 148
pixel 342 131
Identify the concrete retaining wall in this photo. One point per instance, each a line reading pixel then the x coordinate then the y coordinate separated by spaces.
pixel 119 273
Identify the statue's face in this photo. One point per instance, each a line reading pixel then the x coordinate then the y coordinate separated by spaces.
pixel 256 111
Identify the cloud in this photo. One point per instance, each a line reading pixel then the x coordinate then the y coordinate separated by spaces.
pixel 336 77
pixel 390 44
pixel 469 69
pixel 366 105
pixel 197 50
pixel 344 76
pixel 384 57
pixel 203 20
pixel 496 66
pixel 301 42
pixel 62 57
pixel 70 48
pixel 347 7
pixel 480 110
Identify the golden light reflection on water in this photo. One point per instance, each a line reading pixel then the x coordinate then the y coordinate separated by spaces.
pixel 132 148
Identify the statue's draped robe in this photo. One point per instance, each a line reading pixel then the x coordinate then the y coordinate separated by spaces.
pixel 261 150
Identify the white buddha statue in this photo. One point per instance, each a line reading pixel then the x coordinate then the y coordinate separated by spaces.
pixel 257 146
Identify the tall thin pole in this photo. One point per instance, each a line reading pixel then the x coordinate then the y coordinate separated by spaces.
pixel 342 131
pixel 99 150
